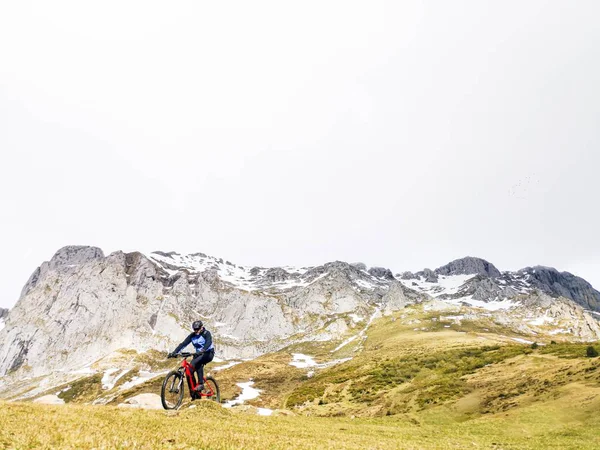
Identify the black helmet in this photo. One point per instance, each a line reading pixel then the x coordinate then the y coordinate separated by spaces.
pixel 197 325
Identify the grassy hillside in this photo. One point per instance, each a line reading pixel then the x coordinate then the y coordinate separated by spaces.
pixel 26 425
pixel 404 369
pixel 416 361
pixel 419 379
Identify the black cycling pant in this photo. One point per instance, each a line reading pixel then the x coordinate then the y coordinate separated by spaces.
pixel 199 362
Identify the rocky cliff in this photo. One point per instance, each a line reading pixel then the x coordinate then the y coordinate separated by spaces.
pixel 482 281
pixel 82 305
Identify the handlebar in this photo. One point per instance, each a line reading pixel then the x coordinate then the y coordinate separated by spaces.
pixel 186 354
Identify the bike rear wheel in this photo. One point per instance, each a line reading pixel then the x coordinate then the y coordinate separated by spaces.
pixel 211 388
pixel 171 394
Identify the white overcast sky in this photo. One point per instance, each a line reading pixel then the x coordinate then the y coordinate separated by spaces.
pixel 401 134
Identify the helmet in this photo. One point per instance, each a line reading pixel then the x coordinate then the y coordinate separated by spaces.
pixel 197 325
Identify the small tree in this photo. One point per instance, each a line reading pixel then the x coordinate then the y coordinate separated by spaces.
pixel 591 352
pixel 534 345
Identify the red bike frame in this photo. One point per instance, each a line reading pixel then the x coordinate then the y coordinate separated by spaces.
pixel 191 379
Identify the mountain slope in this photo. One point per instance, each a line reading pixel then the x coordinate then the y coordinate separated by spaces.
pixel 83 301
pixel 473 280
pixel 424 376
pixel 81 307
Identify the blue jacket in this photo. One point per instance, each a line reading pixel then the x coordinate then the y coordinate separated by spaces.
pixel 202 342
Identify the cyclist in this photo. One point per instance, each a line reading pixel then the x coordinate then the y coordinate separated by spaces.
pixel 205 349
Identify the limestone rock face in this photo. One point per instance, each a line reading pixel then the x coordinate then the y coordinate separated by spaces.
pixel 565 284
pixel 74 312
pixel 397 297
pixel 81 306
pixel 468 266
pixel 482 281
pixel 73 255
pixel 407 276
pixel 430 276
pixel 381 272
pixel 565 317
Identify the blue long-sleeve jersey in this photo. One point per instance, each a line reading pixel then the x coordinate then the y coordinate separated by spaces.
pixel 202 342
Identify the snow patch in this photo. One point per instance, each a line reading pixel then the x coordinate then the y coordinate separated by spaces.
pixel 558 331
pixel 452 283
pixel 231 336
pixel 238 276
pixel 302 361
pixel 522 341
pixel 365 284
pixel 356 318
pixel 456 318
pixel 1 324
pixel 377 313
pixel 87 370
pixel 447 284
pixel 248 393
pixel 343 344
pixel 107 378
pixel 141 378
pixel 540 320
pixel 226 366
pixel 63 390
pixel 265 411
pixel 108 381
pixel 490 306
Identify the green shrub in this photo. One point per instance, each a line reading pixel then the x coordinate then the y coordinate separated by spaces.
pixel 570 350
pixel 534 345
pixel 437 376
pixel 591 352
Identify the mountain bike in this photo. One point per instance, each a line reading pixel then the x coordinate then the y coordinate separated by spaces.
pixel 171 393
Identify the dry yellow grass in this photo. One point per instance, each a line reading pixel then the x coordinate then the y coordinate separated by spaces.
pixel 458 387
pixel 26 425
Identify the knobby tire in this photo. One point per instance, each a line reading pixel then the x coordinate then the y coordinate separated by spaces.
pixel 171 393
pixel 214 386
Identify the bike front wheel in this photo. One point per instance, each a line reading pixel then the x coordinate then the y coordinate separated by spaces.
pixel 211 390
pixel 171 394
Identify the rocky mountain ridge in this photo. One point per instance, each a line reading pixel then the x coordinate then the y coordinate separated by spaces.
pixel 486 283
pixel 81 305
pixel 85 301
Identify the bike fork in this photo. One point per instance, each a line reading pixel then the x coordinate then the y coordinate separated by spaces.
pixel 174 388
